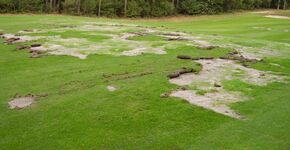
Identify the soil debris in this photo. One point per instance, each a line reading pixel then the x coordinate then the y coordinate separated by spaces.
pixel 184 57
pixel 12 40
pixel 124 76
pixel 35 45
pixel 204 45
pixel 180 72
pixel 35 55
pixel 164 95
pixel 173 75
pixel 22 47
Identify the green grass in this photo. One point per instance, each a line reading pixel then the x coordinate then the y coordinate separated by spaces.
pixel 79 112
pixel 74 34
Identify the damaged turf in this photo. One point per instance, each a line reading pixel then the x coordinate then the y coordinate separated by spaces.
pixel 210 80
pixel 20 102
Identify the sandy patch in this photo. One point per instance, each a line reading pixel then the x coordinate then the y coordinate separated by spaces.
pixel 21 102
pixel 210 80
pixel 277 17
pixel 217 70
pixel 214 101
pixel 22 38
pixel 262 12
pixel 111 88
pixel 204 44
pixel 194 40
pixel 82 47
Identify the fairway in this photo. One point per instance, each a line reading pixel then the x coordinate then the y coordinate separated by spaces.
pixel 202 82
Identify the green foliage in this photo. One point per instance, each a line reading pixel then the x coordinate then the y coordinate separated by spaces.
pixel 135 8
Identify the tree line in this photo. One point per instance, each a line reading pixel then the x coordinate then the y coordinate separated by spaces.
pixel 136 8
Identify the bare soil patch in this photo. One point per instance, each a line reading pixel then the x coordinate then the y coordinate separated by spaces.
pixel 21 102
pixel 210 78
pixel 111 88
pixel 11 38
pixel 214 101
pixel 277 17
pixel 216 70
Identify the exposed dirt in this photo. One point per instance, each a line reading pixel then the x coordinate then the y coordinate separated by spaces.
pixel 82 47
pixel 21 102
pixel 277 17
pixel 181 72
pixel 22 47
pixel 11 38
pixel 204 44
pixel 111 88
pixel 217 102
pixel 184 57
pixel 214 71
pixel 210 80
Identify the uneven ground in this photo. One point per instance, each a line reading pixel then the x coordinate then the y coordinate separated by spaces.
pixel 102 83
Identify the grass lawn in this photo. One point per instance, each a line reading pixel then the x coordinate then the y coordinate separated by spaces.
pixel 80 113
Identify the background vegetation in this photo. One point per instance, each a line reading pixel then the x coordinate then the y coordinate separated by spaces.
pixel 135 8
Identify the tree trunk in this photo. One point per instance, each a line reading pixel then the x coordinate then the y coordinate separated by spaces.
pixel 78 7
pixel 285 4
pixel 125 8
pixel 54 5
pixel 50 7
pixel 278 7
pixel 59 6
pixel 100 6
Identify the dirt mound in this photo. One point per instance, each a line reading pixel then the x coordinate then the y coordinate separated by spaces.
pixel 184 57
pixel 11 38
pixel 22 47
pixel 181 72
